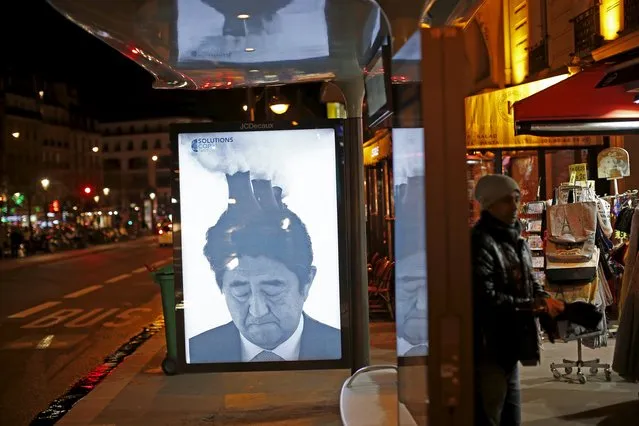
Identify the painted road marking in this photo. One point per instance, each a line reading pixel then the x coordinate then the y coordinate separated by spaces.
pixel 34 310
pixel 83 291
pixel 139 270
pixel 85 318
pixel 118 278
pixel 45 341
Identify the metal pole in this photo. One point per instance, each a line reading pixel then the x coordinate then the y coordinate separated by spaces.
pixel 250 104
pixel 353 91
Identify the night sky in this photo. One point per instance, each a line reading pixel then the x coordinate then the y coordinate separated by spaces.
pixel 36 38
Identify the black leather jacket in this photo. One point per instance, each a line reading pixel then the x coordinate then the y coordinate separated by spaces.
pixel 504 292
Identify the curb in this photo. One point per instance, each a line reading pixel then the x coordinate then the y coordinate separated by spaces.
pixel 88 397
pixel 14 264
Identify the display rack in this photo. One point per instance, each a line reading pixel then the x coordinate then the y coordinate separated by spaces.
pixel 534 222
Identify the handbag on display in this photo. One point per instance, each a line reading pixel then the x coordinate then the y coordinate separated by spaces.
pixel 570 273
pixel 572 223
pixel 570 253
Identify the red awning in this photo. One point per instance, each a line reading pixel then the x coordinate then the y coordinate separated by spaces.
pixel 577 106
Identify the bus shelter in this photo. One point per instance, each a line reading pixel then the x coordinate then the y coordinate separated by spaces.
pixel 217 44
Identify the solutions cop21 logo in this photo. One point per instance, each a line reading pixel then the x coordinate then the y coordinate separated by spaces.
pixel 208 143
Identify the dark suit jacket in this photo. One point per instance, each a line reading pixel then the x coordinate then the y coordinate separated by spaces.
pixel 223 343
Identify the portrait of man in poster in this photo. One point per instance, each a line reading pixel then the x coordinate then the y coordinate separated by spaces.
pixel 262 257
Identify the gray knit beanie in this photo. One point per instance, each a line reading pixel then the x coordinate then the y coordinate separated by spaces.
pixel 492 188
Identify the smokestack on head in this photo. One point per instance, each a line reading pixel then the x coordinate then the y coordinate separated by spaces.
pixel 241 193
pixel 277 192
pixel 264 194
pixel 414 197
pixel 401 192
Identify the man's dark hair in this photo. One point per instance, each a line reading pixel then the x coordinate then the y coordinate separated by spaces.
pixel 276 234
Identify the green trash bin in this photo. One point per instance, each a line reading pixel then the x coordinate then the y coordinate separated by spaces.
pixel 165 278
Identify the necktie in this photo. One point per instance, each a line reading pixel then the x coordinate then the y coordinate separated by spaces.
pixel 419 350
pixel 266 356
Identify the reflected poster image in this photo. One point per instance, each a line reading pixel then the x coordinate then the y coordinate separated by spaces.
pixel 250 31
pixel 260 253
pixel 410 243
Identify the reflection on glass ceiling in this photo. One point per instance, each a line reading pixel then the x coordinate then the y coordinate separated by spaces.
pixel 207 44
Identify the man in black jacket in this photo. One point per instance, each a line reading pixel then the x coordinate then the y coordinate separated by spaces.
pixel 506 297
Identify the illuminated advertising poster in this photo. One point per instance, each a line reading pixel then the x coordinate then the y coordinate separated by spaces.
pixel 251 32
pixel 410 243
pixel 260 247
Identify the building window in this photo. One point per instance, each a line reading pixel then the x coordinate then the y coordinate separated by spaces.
pixel 132 129
pixel 163 180
pixel 146 128
pixel 66 145
pixel 105 147
pixel 129 146
pixel 111 164
pixel 164 162
pixel 117 147
pixel 145 145
pixel 158 144
pixel 118 130
pixel 138 163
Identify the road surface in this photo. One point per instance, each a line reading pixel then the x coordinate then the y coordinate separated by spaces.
pixel 59 320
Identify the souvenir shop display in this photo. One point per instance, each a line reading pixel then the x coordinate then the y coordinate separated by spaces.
pixel 574 273
pixel 533 221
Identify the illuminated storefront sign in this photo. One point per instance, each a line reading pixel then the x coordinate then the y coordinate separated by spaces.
pixel 377 148
pixel 490 122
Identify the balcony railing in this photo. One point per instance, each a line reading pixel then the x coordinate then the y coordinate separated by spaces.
pixel 538 57
pixel 631 15
pixel 587 31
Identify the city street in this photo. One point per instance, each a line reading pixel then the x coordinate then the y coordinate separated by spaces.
pixel 58 320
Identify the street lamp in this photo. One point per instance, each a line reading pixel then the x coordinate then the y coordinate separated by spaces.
pixel 154 158
pixel 152 195
pixel 106 191
pixel 95 149
pixel 279 105
pixel 96 198
pixel 15 134
pixel 45 185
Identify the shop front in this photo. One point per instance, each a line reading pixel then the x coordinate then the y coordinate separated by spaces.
pixel 537 163
pixel 378 195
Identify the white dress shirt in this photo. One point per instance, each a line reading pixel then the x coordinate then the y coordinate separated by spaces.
pixel 289 349
pixel 403 346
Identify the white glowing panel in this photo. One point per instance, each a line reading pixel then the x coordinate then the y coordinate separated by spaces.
pixel 260 255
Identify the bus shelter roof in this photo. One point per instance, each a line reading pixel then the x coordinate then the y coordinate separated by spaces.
pixel 213 44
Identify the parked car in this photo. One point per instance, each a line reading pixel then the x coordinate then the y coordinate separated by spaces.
pixel 165 235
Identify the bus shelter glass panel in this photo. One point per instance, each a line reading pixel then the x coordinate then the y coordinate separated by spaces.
pixel 411 302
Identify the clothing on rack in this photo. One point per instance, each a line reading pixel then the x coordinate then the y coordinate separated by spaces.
pixel 630 261
pixel 626 357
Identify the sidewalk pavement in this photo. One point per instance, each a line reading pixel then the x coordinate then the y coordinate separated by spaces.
pixel 12 264
pixel 138 393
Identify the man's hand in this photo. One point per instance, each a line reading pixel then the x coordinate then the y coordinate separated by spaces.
pixel 554 307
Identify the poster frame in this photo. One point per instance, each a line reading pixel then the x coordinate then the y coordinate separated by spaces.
pixel 342 166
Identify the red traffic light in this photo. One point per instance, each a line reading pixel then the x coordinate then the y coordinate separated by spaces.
pixel 87 190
